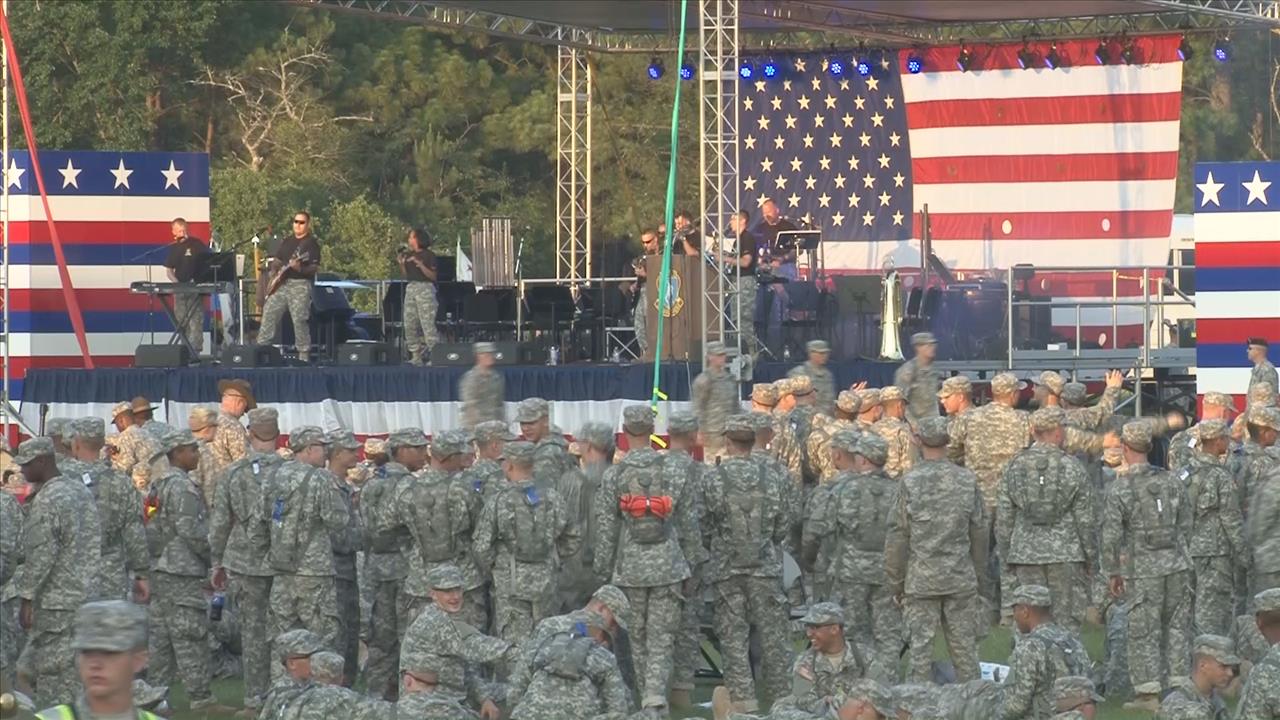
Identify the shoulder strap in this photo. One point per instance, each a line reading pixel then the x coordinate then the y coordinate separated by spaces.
pixel 58 712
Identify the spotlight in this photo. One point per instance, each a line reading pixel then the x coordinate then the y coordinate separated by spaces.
pixel 655 69
pixel 746 71
pixel 965 59
pixel 915 64
pixel 770 70
pixel 1184 49
pixel 1027 57
pixel 1102 54
pixel 836 67
pixel 864 66
pixel 1052 59
pixel 686 71
pixel 1222 50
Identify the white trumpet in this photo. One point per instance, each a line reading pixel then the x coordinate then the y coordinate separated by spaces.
pixel 891 317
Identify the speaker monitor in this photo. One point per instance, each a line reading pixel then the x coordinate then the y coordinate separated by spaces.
pixel 506 352
pixel 161 356
pixel 252 356
pixel 452 354
pixel 368 353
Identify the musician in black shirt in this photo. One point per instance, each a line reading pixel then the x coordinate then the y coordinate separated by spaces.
pixel 181 263
pixel 782 257
pixel 294 267
pixel 418 264
pixel 742 306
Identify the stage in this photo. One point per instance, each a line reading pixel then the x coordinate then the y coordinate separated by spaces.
pixel 377 400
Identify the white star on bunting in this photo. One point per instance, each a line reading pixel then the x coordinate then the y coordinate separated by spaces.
pixel 803 102
pixel 13 174
pixel 171 176
pixel 779 142
pixel 1257 189
pixel 847 120
pixel 839 181
pixel 830 102
pixel 776 103
pixel 855 200
pixel 888 101
pixel 808 140
pixel 898 179
pixel 793 201
pixel 884 199
pixel 780 182
pixel 836 139
pixel 859 101
pixel 883 160
pixel 868 218
pixel 1210 190
pixel 897 218
pixel 810 182
pixel 837 219
pixel 748 104
pixel 800 64
pixel 868 180
pixel 877 120
pixel 766 165
pixel 790 120
pixel 70 175
pixel 796 164
pixel 894 138
pixel 818 121
pixel 749 183
pixel 824 162
pixel 750 142
pixel 824 200
pixel 873 83
pixel 865 139
pixel 122 175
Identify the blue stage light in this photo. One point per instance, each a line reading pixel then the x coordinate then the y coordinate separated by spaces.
pixel 836 67
pixel 655 69
pixel 864 66
pixel 1052 59
pixel 965 59
pixel 686 72
pixel 1102 54
pixel 1222 50
pixel 770 70
pixel 746 71
pixel 915 64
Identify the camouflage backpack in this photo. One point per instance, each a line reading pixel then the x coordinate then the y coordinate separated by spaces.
pixel 529 534
pixel 283 504
pixel 432 520
pixel 1037 491
pixel 565 654
pixel 645 479
pixel 865 528
pixel 745 516
pixel 1155 512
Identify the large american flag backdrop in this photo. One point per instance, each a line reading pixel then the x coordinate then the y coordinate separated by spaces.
pixel 1237 270
pixel 112 212
pixel 1072 166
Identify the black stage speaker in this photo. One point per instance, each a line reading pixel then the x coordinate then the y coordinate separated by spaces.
pixel 161 356
pixel 508 352
pixel 368 353
pixel 452 354
pixel 252 356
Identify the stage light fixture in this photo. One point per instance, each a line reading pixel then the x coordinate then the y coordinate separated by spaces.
pixel 1102 54
pixel 746 71
pixel 770 70
pixel 965 59
pixel 1222 50
pixel 1027 58
pixel 656 70
pixel 864 66
pixel 1052 59
pixel 835 67
pixel 915 64
pixel 1184 49
pixel 686 71
pixel 1129 53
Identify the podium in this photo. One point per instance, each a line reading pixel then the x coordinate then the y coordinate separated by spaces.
pixel 681 309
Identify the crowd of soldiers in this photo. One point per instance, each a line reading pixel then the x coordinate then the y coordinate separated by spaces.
pixel 480 574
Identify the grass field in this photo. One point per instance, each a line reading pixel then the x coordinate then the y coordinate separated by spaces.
pixel 995 648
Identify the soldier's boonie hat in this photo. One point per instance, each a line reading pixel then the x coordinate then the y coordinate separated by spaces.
pixel 174 439
pixel 1219 399
pixel 344 439
pixel 613 598
pixel 891 393
pixel 801 385
pixel 817 346
pixel 1217 647
pixel 1031 596
pixel 869 398
pixel 445 577
pixel 1267 601
pixel 1265 417
pixel 120 407
pixel 845 439
pixel 823 613
pixel 86 428
pixel 484 347
pixel 1213 429
pixel 924 338
pixel 375 446
pixel 637 419
pixel 298 643
pixel 681 422
pixel 873 447
pixel 1047 418
pixel 1051 380
pixel 519 451
pixel 531 410
pixel 56 426
pixel 237 386
pixel 1072 691
pixel 1137 435
pixel 715 347
pixel 306 436
pixel 1075 393
pixel 406 437
pixel 110 625
pixel 264 417
pixel 201 417
pixel 491 430
pixel 740 427
pixel 955 384
pixel 1005 383
pixel 848 402
pixel 764 394
pixel 933 432
pixel 448 443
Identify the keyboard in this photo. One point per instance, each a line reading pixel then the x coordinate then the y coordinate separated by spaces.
pixel 143 287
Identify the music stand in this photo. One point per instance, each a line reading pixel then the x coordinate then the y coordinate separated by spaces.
pixel 549 307
pixel 215 267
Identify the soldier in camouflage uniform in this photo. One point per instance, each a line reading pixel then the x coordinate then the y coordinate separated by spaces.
pixel 519 539
pixel 1044 652
pixel 1074 698
pixel 1045 519
pixel 818 445
pixel 869 409
pixel 715 398
pixel 179 540
pixel 143 414
pixel 747 519
pixel 1262 520
pixel 61 536
pixel 347 542
pixel 846 532
pixel 482 480
pixel 125 561
pixel 1145 525
pixel 305 508
pixel 239 540
pixel 421 695
pixel 764 397
pixel 578 580
pixel 896 432
pixel 935 553
pixel 481 389
pixel 824 383
pixel 202 421
pixel 230 441
pixel 791 428
pixel 291 671
pixel 11 533
pixel 917 379
pixel 386 558
pixel 570 669
pixel 1263 371
pixel 1214 666
pixel 647 540
pixel 1260 699
pixel 682 427
pixel 134 447
pixel 957 402
pixel 54 428
pixel 1217 406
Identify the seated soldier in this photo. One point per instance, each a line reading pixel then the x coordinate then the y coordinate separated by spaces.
pixel 572 669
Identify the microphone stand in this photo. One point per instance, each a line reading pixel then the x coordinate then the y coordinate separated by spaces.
pixel 520 285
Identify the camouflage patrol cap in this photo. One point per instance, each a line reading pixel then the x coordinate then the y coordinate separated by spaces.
pixel 682 422
pixel 1267 601
pixel 848 402
pixel 110 625
pixel 1213 430
pixel 121 407
pixel 1072 691
pixel 846 439
pixel 783 386
pixel 449 443
pixel 760 420
pixel 740 427
pixel 519 452
pixel 491 430
pixel 1219 399
pixel 764 394
pixel 869 397
pixel 305 436
pixel 1268 417
pixel 613 598
pixel 1137 435
pixel 344 439
pixel 297 643
pixel 326 664
pixel 801 385
pixel 924 338
pixel 86 428
pixel 1031 596
pixel 1047 418
pixel 264 417
pixel 823 613
pixel 1006 383
pixel 933 432
pixel 1262 393
pixel 56 426
pixel 406 437
pixel 891 393
pixel 956 384
pixel 715 347
pixel 375 446
pixel 597 435
pixel 175 439
pixel 531 410
pixel 484 347
pixel 637 419
pixel 201 417
pixel 1051 380
pixel 873 447
pixel 427 666
pixel 817 346
pixel 1075 393
pixel 445 577
pixel 881 697
pixel 1221 649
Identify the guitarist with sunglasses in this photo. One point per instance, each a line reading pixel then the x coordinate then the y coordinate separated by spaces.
pixel 293 267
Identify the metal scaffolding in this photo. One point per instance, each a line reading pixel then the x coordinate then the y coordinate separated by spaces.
pixel 573 165
pixel 718 157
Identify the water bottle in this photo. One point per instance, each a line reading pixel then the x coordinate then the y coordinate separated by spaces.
pixel 215 606
pixel 617 356
pixel 786 353
pixel 553 356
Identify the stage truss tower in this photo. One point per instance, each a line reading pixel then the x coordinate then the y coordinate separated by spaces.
pixel 573 164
